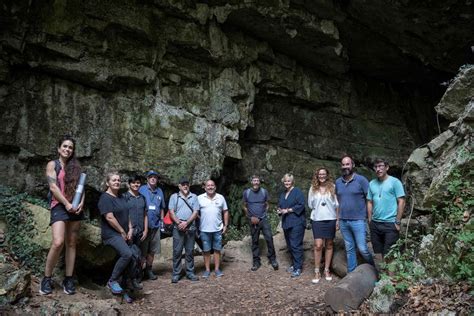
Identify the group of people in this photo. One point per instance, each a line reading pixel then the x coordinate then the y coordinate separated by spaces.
pixel 345 204
pixel 136 218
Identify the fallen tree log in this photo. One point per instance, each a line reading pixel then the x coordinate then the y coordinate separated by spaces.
pixel 351 291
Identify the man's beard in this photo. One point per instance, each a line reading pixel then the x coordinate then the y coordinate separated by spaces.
pixel 346 171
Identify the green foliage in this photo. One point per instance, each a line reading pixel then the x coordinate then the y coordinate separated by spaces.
pixel 447 252
pixel 20 227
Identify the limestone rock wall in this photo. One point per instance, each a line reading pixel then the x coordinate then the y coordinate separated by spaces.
pixel 431 167
pixel 187 86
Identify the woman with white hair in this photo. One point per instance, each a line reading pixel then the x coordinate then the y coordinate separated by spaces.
pixel 291 206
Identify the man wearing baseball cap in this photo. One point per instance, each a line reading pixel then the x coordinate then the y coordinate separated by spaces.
pixel 155 203
pixel 184 208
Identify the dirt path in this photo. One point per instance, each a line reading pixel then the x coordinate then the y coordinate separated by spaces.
pixel 239 291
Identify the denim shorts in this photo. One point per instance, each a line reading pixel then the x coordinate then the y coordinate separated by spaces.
pixel 211 241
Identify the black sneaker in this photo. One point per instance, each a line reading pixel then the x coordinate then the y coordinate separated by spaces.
pixel 68 286
pixel 255 266
pixel 46 286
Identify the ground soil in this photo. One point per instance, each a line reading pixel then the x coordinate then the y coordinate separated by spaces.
pixel 239 291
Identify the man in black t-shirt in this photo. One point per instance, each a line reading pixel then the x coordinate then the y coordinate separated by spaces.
pixel 255 205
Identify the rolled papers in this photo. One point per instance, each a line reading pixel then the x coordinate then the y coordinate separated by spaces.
pixel 79 191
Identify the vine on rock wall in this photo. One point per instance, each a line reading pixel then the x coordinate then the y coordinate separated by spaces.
pixel 21 228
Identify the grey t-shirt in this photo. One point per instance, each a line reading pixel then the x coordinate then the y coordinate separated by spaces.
pixel 256 202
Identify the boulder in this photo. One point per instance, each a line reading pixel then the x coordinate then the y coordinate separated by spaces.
pixel 14 283
pixel 90 250
pixel 380 301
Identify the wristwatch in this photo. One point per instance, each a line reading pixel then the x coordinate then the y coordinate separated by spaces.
pixel 397 222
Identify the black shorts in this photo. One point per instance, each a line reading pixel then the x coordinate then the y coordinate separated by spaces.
pixel 59 214
pixel 383 235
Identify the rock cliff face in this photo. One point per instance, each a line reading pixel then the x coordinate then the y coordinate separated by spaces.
pixel 221 88
pixel 432 167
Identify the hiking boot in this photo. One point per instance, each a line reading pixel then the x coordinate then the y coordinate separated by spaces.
pixel 46 286
pixel 192 277
pixel 68 286
pixel 136 284
pixel 149 274
pixel 114 287
pixel 274 264
pixel 255 266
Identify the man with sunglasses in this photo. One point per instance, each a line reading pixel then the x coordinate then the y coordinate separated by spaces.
pixel 385 205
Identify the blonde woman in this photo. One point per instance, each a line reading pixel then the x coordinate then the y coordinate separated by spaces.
pixel 324 206
pixel 291 208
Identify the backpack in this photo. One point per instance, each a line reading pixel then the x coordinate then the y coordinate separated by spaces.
pixel 57 169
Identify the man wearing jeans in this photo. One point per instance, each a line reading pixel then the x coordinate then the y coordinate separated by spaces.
pixel 386 202
pixel 184 208
pixel 351 191
pixel 256 208
pixel 213 224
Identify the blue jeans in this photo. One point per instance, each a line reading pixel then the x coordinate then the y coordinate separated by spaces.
pixel 353 232
pixel 183 239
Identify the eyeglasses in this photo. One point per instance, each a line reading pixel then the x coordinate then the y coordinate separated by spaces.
pixel 379 167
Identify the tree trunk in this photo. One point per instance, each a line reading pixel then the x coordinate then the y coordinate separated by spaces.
pixel 351 291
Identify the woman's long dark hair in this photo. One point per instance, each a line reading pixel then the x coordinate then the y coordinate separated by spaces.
pixel 72 169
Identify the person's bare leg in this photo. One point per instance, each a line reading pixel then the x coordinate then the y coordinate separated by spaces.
pixel 57 243
pixel 207 260
pixel 318 250
pixel 217 259
pixel 72 235
pixel 328 257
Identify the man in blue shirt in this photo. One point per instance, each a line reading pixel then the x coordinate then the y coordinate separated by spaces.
pixel 155 203
pixel 184 208
pixel 256 207
pixel 385 205
pixel 351 191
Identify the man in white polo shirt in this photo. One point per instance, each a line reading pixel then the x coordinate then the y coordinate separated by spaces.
pixel 213 224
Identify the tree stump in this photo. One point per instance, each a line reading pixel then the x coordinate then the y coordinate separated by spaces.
pixel 351 291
